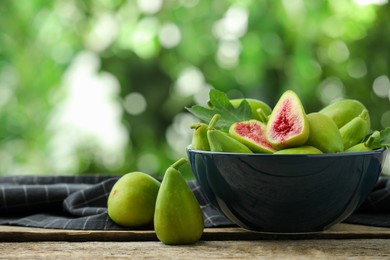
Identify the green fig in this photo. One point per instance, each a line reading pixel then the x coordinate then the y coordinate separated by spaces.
pixel 178 218
pixel 252 134
pixel 199 137
pixel 288 125
pixel 260 110
pixel 305 149
pixel 221 141
pixel 343 111
pixel 361 147
pixel 372 142
pixel 355 130
pixel 132 200
pixel 324 134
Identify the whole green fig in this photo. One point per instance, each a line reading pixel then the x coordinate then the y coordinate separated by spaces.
pixel 178 218
pixel 324 134
pixel 305 149
pixel 132 200
pixel 343 111
pixel 199 137
pixel 355 130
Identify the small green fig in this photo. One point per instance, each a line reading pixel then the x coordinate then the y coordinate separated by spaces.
pixel 355 130
pixel 361 147
pixel 343 111
pixel 178 218
pixel 372 142
pixel 132 200
pixel 324 134
pixel 199 137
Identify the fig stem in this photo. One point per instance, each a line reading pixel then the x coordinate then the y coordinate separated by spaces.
pixel 176 165
pixel 213 121
pixel 364 114
pixel 194 125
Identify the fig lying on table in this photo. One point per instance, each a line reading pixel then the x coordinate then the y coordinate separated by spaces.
pixel 132 199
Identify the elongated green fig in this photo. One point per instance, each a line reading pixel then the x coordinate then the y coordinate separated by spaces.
pixel 221 141
pixel 355 130
pixel 372 142
pixel 199 137
pixel 324 134
pixel 178 218
pixel 361 147
pixel 260 110
pixel 305 149
pixel 288 125
pixel 132 200
pixel 343 111
pixel 252 134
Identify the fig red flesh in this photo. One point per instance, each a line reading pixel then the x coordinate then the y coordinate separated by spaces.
pixel 287 123
pixel 254 132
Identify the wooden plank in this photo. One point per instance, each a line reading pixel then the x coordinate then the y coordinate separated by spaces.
pixel 268 249
pixel 340 231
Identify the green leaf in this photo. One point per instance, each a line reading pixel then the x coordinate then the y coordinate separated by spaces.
pixel 378 139
pixel 385 137
pixel 219 103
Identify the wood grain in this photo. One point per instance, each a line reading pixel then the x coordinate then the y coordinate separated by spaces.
pixel 340 231
pixel 268 249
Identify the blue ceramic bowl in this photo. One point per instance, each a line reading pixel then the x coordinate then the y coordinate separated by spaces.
pixel 286 193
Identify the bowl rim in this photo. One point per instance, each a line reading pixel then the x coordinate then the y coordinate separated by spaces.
pixel 342 154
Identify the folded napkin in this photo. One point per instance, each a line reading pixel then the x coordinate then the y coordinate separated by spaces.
pixel 80 202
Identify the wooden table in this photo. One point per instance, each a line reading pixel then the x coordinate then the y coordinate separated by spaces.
pixel 340 242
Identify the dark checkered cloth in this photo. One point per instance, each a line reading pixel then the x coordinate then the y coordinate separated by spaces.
pixel 80 202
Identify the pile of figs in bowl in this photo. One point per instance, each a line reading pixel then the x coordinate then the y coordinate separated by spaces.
pixel 284 170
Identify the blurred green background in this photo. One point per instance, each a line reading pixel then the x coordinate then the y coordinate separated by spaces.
pixel 101 86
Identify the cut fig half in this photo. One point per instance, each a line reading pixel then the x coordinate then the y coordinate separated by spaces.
pixel 252 134
pixel 288 125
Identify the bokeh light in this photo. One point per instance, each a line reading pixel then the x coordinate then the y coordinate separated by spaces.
pixel 135 103
pixel 102 86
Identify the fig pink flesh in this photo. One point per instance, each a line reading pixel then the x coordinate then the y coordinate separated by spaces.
pixel 287 124
pixel 253 132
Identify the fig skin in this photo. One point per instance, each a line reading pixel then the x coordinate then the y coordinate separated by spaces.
pixel 324 134
pixel 355 130
pixel 131 202
pixel 343 111
pixel 178 218
pixel 361 147
pixel 287 125
pixel 306 149
pixel 252 134
pixel 199 137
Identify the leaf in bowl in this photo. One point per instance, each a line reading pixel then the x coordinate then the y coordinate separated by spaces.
pixel 219 103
